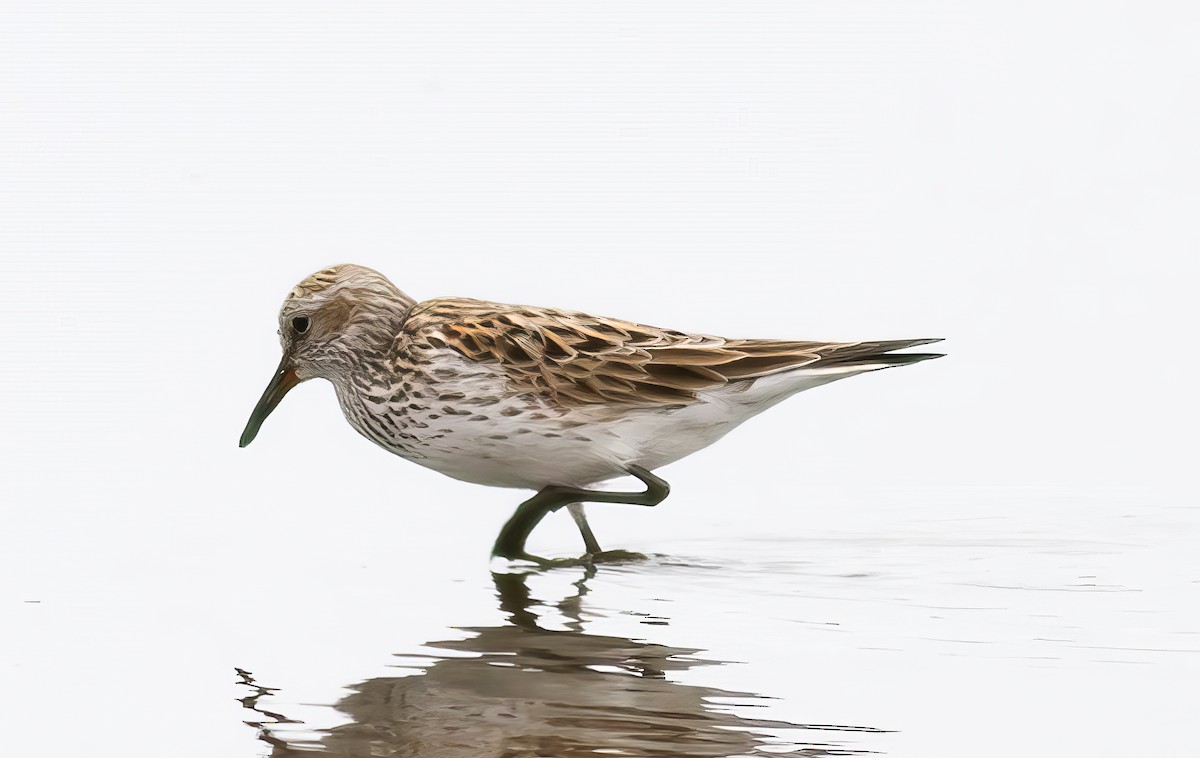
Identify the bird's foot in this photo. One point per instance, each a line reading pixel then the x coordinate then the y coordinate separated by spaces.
pixel 544 563
pixel 587 559
pixel 615 556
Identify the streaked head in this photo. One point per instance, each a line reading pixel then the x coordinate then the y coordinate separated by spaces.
pixel 325 321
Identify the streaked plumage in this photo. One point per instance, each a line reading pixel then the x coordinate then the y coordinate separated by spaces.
pixel 526 397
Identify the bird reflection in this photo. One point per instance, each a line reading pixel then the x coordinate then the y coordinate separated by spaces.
pixel 526 690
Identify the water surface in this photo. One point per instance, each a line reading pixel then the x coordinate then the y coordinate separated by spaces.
pixel 1007 629
pixel 520 688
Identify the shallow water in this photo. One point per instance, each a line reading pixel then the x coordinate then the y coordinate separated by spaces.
pixel 1044 627
pixel 981 624
pixel 977 623
pixel 541 683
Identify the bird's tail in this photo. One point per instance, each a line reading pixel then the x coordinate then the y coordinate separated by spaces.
pixel 868 355
pixel 835 361
pixel 848 359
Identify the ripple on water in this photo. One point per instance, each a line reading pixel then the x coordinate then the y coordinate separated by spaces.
pixel 519 689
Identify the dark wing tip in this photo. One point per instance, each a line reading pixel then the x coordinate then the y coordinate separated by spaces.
pixel 885 360
pixel 903 359
pixel 900 344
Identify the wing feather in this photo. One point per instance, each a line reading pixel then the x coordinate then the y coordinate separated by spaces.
pixel 578 359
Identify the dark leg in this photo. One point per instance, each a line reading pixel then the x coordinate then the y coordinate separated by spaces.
pixel 590 544
pixel 511 542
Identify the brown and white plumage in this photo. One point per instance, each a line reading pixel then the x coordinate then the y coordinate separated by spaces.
pixel 575 359
pixel 521 396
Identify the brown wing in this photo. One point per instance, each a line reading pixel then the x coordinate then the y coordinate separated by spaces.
pixel 580 359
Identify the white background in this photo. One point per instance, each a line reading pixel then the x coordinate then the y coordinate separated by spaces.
pixel 1019 177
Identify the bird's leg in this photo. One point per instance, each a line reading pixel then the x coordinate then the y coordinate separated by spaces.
pixel 589 539
pixel 656 491
pixel 511 541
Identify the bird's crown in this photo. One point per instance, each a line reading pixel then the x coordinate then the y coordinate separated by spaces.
pixel 343 275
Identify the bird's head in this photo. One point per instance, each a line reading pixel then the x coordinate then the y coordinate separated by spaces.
pixel 326 324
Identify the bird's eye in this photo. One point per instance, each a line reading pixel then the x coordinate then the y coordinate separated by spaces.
pixel 300 324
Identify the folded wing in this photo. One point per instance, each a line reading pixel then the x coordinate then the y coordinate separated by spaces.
pixel 579 359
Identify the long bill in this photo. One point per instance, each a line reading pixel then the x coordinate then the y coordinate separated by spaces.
pixel 285 378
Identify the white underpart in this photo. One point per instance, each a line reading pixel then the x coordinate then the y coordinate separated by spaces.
pixel 585 445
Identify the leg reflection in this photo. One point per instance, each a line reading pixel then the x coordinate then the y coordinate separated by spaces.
pixel 525 690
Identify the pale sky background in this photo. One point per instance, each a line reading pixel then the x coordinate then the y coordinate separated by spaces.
pixel 1018 177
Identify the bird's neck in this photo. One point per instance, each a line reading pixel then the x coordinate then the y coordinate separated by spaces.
pixel 364 356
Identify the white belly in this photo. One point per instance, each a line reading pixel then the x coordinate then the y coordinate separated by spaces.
pixel 511 442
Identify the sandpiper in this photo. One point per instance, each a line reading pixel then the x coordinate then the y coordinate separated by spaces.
pixel 537 398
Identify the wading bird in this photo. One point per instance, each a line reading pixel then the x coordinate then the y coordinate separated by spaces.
pixel 537 398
